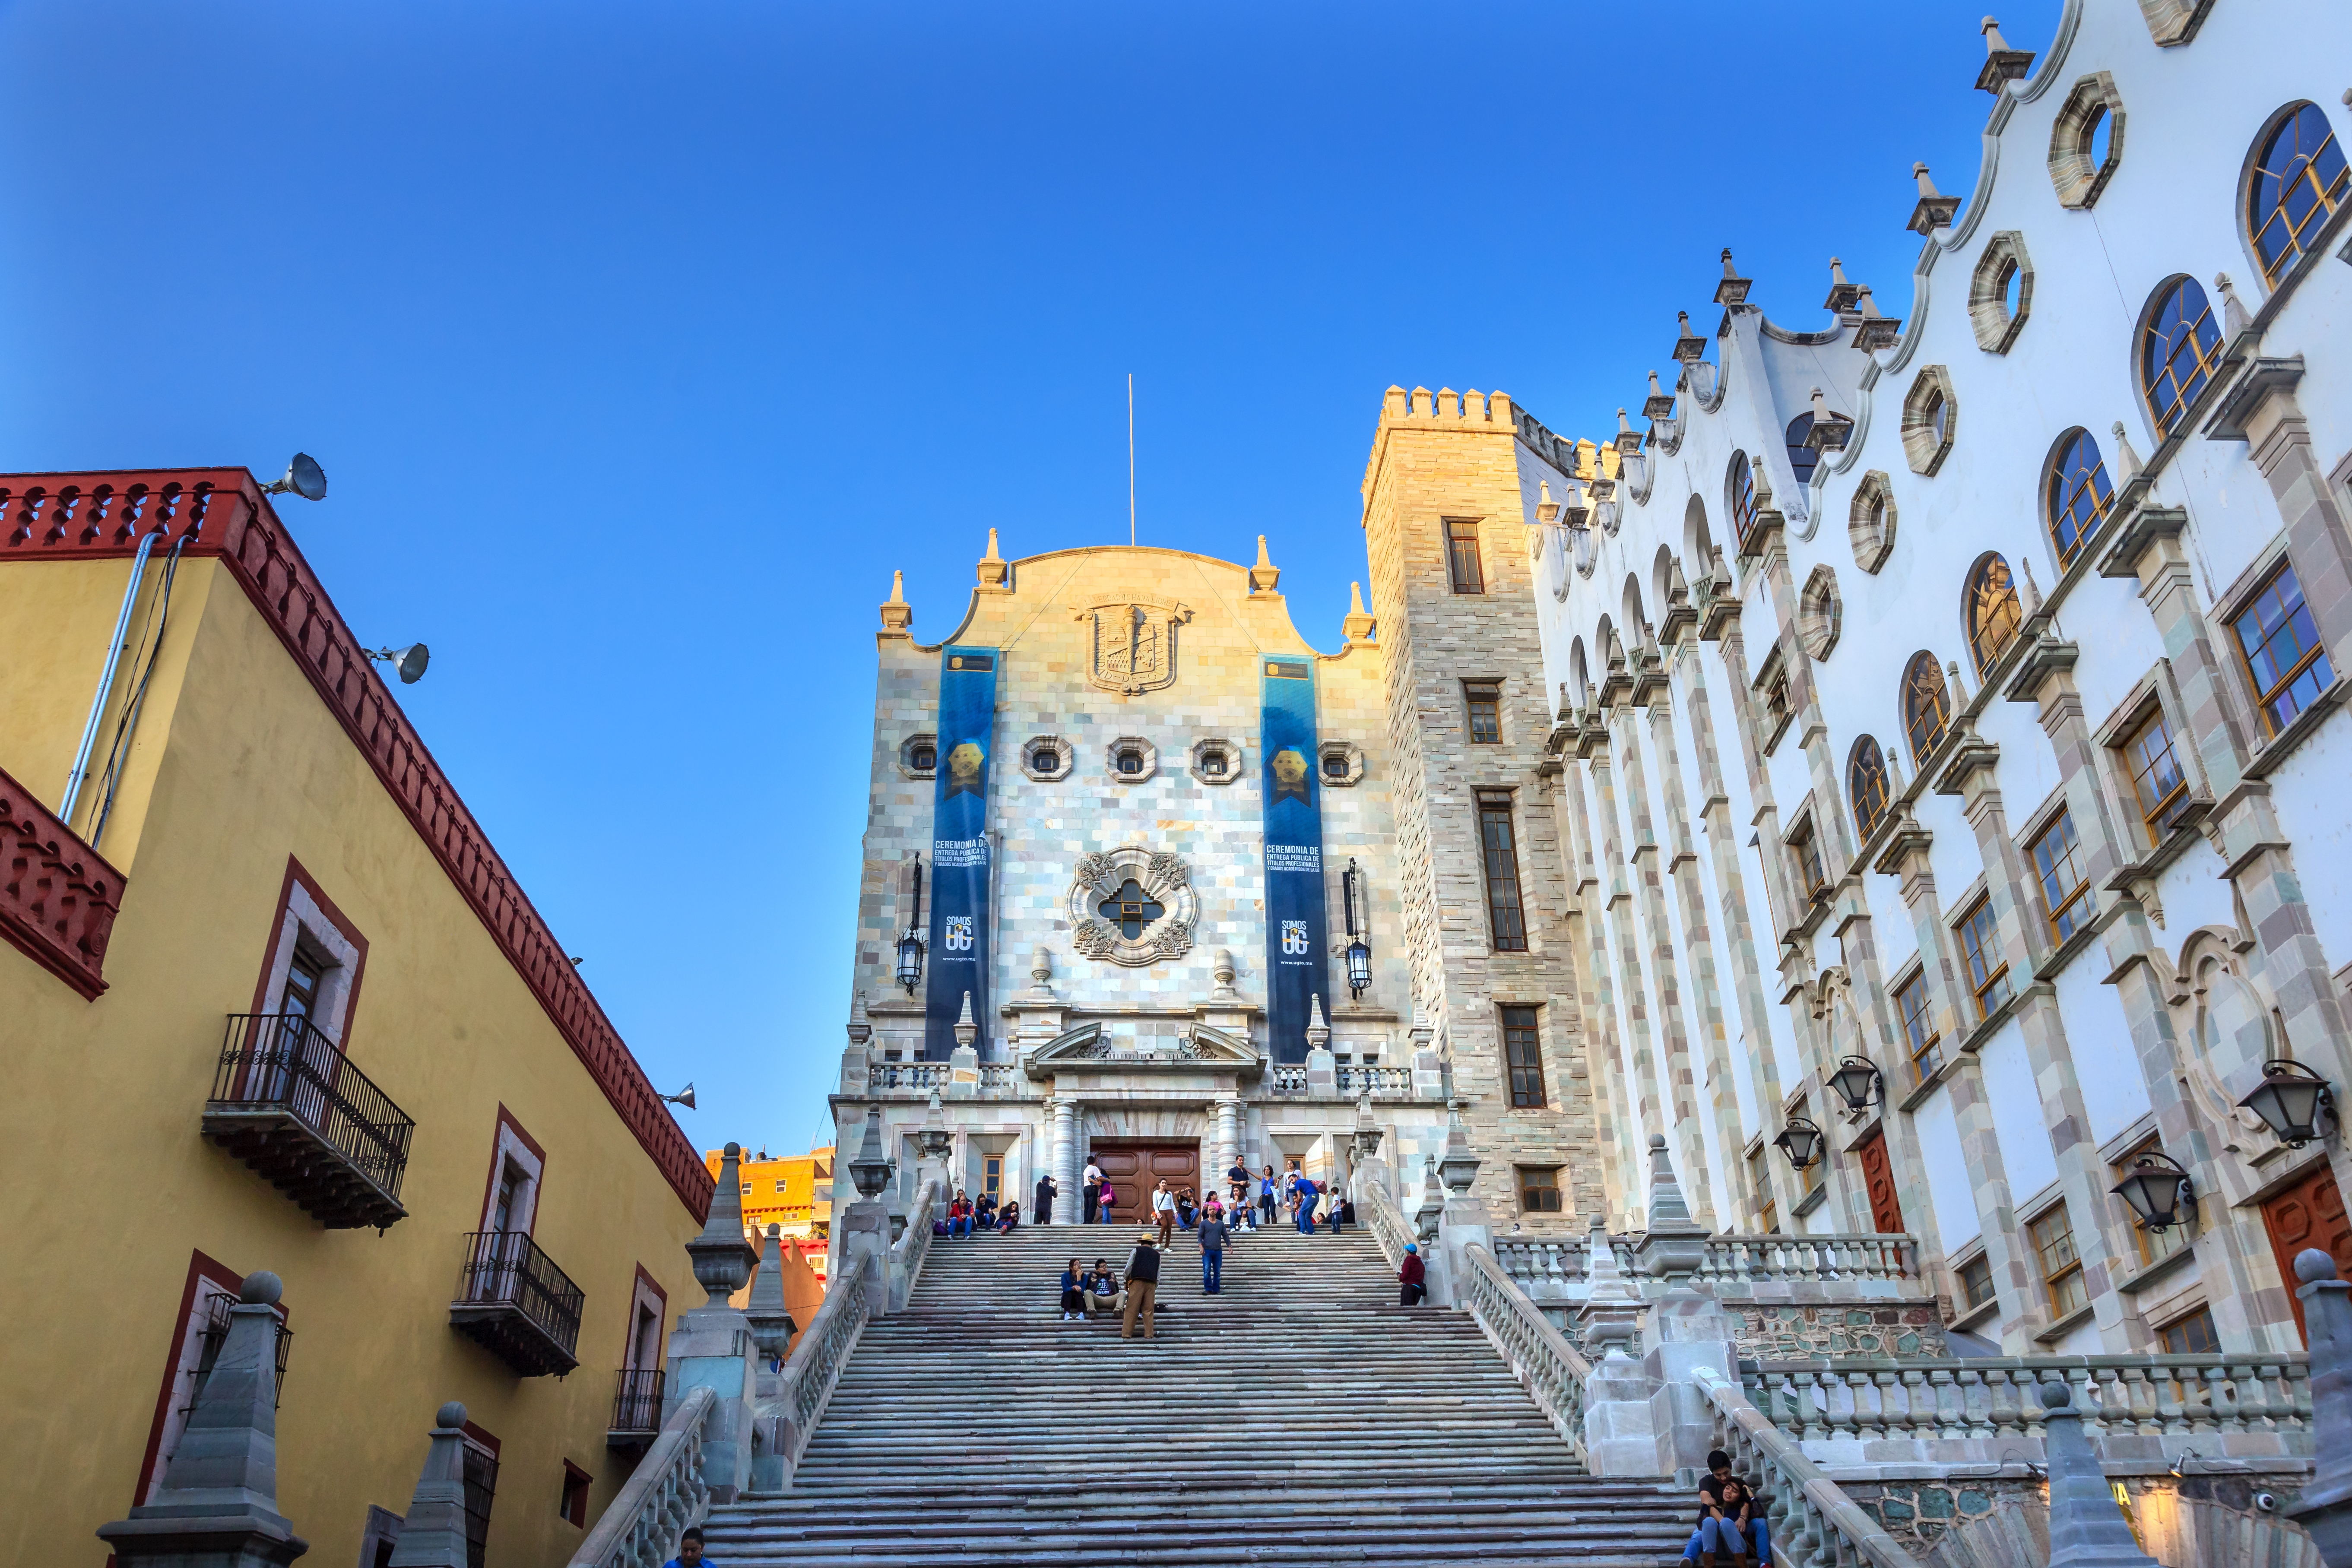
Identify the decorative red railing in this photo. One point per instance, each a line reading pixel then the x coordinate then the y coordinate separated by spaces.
pixel 222 512
pixel 58 897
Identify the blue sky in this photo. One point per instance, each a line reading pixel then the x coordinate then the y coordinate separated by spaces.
pixel 642 342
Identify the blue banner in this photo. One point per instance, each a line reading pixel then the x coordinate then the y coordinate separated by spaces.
pixel 1297 946
pixel 959 851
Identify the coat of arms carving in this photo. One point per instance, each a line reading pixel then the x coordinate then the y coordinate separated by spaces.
pixel 1134 643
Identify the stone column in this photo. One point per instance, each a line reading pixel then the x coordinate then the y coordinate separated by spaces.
pixel 1069 1207
pixel 1642 1069
pixel 2086 1529
pixel 433 1531
pixel 1226 1145
pixel 712 1345
pixel 1595 1001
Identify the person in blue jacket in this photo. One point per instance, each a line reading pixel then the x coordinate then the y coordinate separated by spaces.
pixel 1307 1194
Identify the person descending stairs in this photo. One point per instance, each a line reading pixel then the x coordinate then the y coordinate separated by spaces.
pixel 1297 1417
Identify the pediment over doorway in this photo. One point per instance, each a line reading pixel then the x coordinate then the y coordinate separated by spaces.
pixel 1199 1046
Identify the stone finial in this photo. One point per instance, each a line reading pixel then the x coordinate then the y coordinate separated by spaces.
pixel 991 567
pixel 1547 509
pixel 723 1260
pixel 2128 458
pixel 1934 209
pixel 1041 968
pixel 1666 1204
pixel 1319 1033
pixel 2002 62
pixel 935 1140
pixel 218 1502
pixel 861 1027
pixel 1659 403
pixel 1359 625
pixel 1829 432
pixel 966 1031
pixel 1873 332
pixel 1674 1245
pixel 1611 1318
pixel 1220 966
pixel 771 1321
pixel 1841 293
pixel 2325 1507
pixel 1264 575
pixel 1689 347
pixel 1762 480
pixel 2234 318
pixel 1733 290
pixel 2032 596
pixel 896 614
pixel 433 1531
pixel 2087 1527
pixel 1432 1212
pixel 870 1169
pixel 1460 1167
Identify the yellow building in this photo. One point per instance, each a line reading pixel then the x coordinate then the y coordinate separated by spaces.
pixel 794 1191
pixel 271 1001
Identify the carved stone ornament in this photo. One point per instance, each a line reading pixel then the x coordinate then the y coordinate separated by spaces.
pixel 1151 906
pixel 1134 644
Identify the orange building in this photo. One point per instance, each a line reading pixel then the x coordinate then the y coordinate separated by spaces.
pixel 794 1191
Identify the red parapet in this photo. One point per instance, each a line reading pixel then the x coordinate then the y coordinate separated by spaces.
pixel 59 897
pixel 222 512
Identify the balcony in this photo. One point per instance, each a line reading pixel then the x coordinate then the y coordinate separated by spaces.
pixel 516 1304
pixel 289 1103
pixel 636 1411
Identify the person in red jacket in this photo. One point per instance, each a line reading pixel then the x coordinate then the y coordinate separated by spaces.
pixel 1411 1277
pixel 959 1214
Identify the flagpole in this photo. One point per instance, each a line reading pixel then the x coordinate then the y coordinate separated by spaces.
pixel 1130 457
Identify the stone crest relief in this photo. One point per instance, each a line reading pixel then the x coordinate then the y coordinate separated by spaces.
pixel 1133 905
pixel 1134 644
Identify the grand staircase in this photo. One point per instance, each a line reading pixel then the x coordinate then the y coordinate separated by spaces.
pixel 1299 1418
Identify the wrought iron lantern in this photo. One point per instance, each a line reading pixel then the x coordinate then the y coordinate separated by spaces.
pixel 910 946
pixel 1359 953
pixel 1859 1084
pixel 2290 1099
pixel 2159 1191
pixel 1801 1141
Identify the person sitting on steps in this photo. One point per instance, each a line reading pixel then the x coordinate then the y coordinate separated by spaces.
pixel 959 1216
pixel 1008 1218
pixel 1103 1296
pixel 1730 1518
pixel 1074 1295
pixel 983 1213
pixel 1187 1216
pixel 1142 1283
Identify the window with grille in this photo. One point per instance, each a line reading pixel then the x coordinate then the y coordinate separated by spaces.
pixel 2079 495
pixel 2192 1335
pixel 1927 707
pixel 1485 701
pixel 2062 1271
pixel 2058 861
pixel 1975 1281
pixel 2155 1244
pixel 1538 1189
pixel 1505 916
pixel 1994 612
pixel 1865 780
pixel 1988 968
pixel 1462 557
pixel 2179 349
pixel 2281 649
pixel 1760 1180
pixel 2299 178
pixel 1523 1054
pixel 481 1486
pixel 2158 784
pixel 1919 1035
pixel 1805 856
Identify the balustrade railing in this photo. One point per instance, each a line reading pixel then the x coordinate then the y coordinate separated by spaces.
pixel 663 1495
pixel 1547 1267
pixel 1386 1222
pixel 2164 1396
pixel 1377 1080
pixel 279 1065
pixel 1814 1522
pixel 1806 1259
pixel 1000 1075
pixel 907 1075
pixel 814 1366
pixel 506 1279
pixel 906 1254
pixel 1286 1079
pixel 1552 1371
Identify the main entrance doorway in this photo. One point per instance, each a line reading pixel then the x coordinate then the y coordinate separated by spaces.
pixel 2309 1214
pixel 1134 1168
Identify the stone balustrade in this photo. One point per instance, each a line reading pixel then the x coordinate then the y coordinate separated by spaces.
pixel 906 1254
pixel 1813 1520
pixel 1552 1371
pixel 1734 1262
pixel 806 1385
pixel 1374 1080
pixel 663 1495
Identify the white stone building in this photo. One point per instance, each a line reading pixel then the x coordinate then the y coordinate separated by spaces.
pixel 1954 686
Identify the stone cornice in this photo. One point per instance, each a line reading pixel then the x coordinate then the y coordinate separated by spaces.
pixel 60 897
pixel 222 513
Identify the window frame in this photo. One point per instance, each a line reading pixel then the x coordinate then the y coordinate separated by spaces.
pixel 510 1145
pixel 307 924
pixel 1973 944
pixel 1530 1025
pixel 1460 535
pixel 1979 591
pixel 478 1460
pixel 1911 691
pixel 1547 1184
pixel 2328 199
pixel 2202 1310
pixel 2149 714
pixel 2060 495
pixel 2240 606
pixel 2169 415
pixel 1739 496
pixel 1495 806
pixel 2070 1270
pixel 1922 1041
pixel 1803 843
pixel 1760 1177
pixel 1866 821
pixel 2056 911
pixel 1486 695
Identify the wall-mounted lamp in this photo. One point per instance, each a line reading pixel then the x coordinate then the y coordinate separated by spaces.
pixel 303 477
pixel 2159 1191
pixel 408 662
pixel 683 1097
pixel 1359 953
pixel 1859 1084
pixel 910 946
pixel 1801 1141
pixel 2290 1099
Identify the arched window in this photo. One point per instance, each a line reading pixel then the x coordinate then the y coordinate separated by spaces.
pixel 1927 707
pixel 1993 613
pixel 2079 494
pixel 1801 458
pixel 2299 178
pixel 1865 782
pixel 2179 351
pixel 1743 496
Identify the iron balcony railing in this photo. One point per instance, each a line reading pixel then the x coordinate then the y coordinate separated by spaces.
pixel 283 1093
pixel 512 1297
pixel 637 1402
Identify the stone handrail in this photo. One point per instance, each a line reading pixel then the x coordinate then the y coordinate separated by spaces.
pixel 1732 1259
pixel 1286 1079
pixel 1374 1079
pixel 1554 1263
pixel 1814 1522
pixel 1386 1222
pixel 1000 1075
pixel 1863 1399
pixel 810 1376
pixel 662 1495
pixel 907 1075
pixel 907 1253
pixel 1551 1370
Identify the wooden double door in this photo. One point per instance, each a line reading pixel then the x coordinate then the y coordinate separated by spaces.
pixel 1134 1168
pixel 2309 1214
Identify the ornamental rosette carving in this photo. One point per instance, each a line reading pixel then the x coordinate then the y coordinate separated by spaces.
pixel 1163 910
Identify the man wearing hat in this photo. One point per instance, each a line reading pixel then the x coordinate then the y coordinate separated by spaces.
pixel 1142 1280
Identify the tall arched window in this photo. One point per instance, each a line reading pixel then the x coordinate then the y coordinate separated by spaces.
pixel 2299 177
pixel 1743 496
pixel 1865 782
pixel 1801 458
pixel 1993 612
pixel 2179 351
pixel 2079 494
pixel 1927 707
